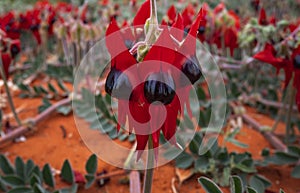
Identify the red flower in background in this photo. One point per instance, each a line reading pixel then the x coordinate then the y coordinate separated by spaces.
pixel 263 19
pixel 289 65
pixel 9 25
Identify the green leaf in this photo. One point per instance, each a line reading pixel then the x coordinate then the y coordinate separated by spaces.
pixel 67 172
pixel 13 180
pixel 73 189
pixel 209 186
pixel 24 87
pixel 90 179
pixel 52 88
pixel 237 143
pixel 294 150
pixel 65 110
pixel 2 186
pixel 245 168
pixel 122 136
pixel 20 167
pixel 29 168
pixel 21 190
pixel 195 143
pixel 202 164
pixel 236 185
pixel 38 189
pixel 201 94
pixel 91 164
pixel 47 175
pixel 62 86
pixel 6 166
pixel 257 184
pixel 251 190
pixel 184 160
pixel 284 158
pixel 296 172
pixel 35 179
pixel 37 172
pixel 263 179
pixel 171 153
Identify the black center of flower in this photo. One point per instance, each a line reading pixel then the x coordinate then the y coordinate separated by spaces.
pixel 7 28
pixel 118 84
pixel 191 70
pixel 159 87
pixel 297 61
pixel 14 50
pixel 34 27
pixel 201 30
pixel 52 21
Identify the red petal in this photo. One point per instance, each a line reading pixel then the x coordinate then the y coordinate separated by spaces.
pixel 141 141
pixel 172 14
pixel 268 56
pixel 231 39
pixel 262 20
pixel 162 51
pixel 121 58
pixel 219 8
pixel 142 14
pixel 177 30
pixel 6 60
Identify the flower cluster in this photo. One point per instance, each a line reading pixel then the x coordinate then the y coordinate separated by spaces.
pixel 164 75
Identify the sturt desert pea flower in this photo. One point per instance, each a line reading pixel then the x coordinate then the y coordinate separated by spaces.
pixel 290 65
pixel 10 25
pixel 149 81
pixel 263 19
pixel 227 25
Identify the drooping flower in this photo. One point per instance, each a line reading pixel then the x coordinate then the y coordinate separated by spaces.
pixel 152 81
pixel 9 25
pixel 290 65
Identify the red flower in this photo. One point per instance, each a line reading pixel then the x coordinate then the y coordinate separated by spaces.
pixel 6 61
pixel 263 19
pixel 231 39
pixel 10 26
pixel 152 80
pixel 291 66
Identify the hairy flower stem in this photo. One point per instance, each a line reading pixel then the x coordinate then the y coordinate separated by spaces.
pixel 10 101
pixel 282 110
pixel 150 165
pixel 292 94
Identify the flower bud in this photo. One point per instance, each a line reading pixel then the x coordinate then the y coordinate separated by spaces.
pixel 159 87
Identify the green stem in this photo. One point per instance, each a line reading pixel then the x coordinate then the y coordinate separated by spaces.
pixel 150 165
pixel 292 93
pixel 282 110
pixel 10 101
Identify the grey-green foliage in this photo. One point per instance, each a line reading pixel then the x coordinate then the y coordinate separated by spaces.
pixel 97 110
pixel 236 186
pixel 218 163
pixel 27 177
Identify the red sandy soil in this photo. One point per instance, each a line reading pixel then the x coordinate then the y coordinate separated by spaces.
pixel 46 144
